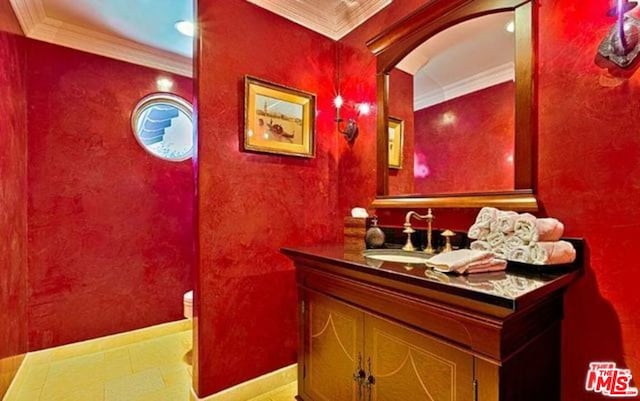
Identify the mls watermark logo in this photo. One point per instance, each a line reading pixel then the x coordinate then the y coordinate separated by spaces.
pixel 605 378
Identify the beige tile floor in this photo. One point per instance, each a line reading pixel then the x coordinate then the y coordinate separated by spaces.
pixel 146 365
pixel 153 369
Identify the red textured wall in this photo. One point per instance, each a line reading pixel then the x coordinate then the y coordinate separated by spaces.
pixel 110 226
pixel 13 201
pixel 401 106
pixel 588 176
pixel 466 144
pixel 250 205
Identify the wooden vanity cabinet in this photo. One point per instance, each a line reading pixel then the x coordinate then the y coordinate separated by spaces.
pixel 367 334
pixel 344 346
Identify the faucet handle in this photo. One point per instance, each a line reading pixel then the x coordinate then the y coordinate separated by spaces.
pixel 408 229
pixel 430 215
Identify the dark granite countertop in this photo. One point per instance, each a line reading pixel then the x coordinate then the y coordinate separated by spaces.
pixel 518 286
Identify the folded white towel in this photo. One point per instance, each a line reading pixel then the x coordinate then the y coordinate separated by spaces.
pixel 483 266
pixel 450 261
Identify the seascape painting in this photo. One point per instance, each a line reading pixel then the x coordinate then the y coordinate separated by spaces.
pixel 278 119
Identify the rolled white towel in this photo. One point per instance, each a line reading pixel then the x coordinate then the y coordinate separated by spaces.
pixel 495 238
pixel 549 229
pixel 513 241
pixel 538 255
pixel 480 246
pixel 476 232
pixel 520 254
pixel 486 216
pixel 526 228
pixel 501 251
pixel 505 222
pixel 552 253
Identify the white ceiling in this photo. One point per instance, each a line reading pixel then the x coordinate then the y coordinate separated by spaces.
pixel 459 60
pixel 465 58
pixel 142 31
pixel 136 31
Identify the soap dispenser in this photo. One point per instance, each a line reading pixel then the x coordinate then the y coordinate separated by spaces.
pixel 374 237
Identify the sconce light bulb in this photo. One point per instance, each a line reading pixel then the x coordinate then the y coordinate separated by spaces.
pixel 364 109
pixel 338 102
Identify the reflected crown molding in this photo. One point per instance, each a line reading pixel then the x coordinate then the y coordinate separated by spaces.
pixel 36 24
pixel 331 18
pixel 486 79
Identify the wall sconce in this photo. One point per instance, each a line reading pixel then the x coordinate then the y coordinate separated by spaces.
pixel 621 45
pixel 350 132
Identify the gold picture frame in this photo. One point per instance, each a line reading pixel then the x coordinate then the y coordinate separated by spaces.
pixel 396 141
pixel 278 119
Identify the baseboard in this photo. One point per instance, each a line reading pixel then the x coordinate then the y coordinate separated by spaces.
pixel 108 342
pixel 9 373
pixel 254 387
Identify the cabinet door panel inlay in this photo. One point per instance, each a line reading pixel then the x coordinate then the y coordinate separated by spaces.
pixel 329 324
pixel 334 342
pixel 410 366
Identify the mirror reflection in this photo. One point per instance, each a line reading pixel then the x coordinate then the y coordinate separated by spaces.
pixel 455 96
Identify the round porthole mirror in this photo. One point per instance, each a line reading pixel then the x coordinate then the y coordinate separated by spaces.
pixel 163 125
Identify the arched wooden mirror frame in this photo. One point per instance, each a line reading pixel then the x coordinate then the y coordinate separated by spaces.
pixel 392 45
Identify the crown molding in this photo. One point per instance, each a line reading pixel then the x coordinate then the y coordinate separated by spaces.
pixel 485 79
pixel 37 25
pixel 333 21
pixel 347 17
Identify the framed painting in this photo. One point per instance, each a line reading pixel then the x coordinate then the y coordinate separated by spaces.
pixel 396 138
pixel 278 119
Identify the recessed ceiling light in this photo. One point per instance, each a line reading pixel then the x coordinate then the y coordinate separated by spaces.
pixel 186 28
pixel 510 27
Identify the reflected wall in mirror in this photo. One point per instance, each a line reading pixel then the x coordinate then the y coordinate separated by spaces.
pixel 462 105
pixel 460 75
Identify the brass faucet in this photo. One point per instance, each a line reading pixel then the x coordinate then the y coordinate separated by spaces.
pixel 409 230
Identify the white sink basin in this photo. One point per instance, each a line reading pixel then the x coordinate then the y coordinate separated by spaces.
pixel 395 256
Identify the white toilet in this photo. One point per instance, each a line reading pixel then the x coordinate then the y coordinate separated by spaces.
pixel 187 302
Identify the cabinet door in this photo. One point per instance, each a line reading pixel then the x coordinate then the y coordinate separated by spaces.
pixel 332 337
pixel 408 365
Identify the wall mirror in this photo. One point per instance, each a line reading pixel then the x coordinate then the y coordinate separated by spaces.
pixel 459 75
